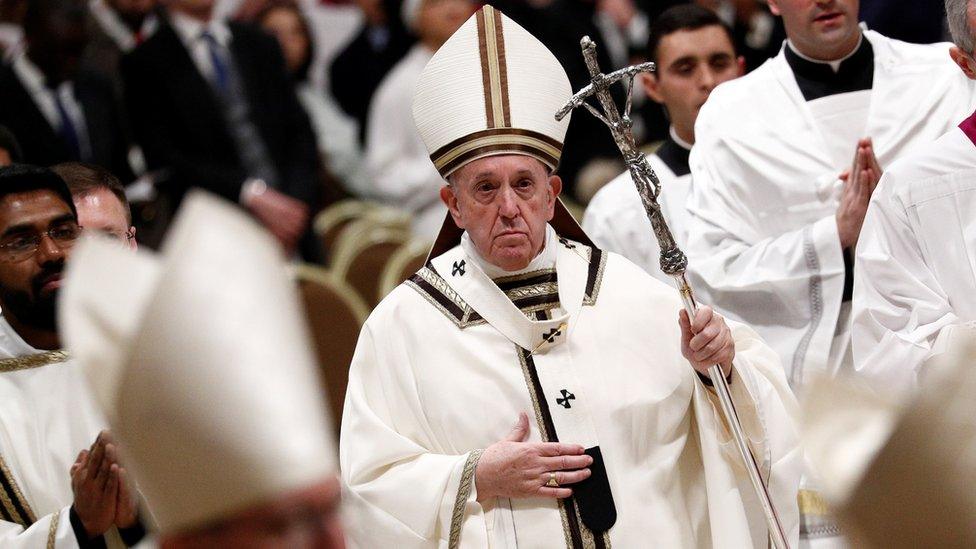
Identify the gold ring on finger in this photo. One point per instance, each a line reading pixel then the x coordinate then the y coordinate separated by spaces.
pixel 553 483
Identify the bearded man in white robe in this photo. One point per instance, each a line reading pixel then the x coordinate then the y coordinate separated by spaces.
pixel 777 204
pixel 617 439
pixel 915 274
pixel 58 488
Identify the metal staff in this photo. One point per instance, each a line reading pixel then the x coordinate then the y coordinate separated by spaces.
pixel 673 260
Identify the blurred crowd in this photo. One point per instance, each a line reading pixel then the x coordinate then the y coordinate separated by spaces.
pixel 286 106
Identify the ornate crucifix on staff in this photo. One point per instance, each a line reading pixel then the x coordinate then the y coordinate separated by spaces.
pixel 673 260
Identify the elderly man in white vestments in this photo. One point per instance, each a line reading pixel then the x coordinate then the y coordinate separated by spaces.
pixel 915 274
pixel 515 318
pixel 201 361
pixel 395 156
pixel 60 483
pixel 694 52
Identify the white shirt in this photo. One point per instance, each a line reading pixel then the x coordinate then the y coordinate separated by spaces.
pixel 396 158
pixel 447 361
pixel 765 248
pixel 119 32
pixel 44 97
pixel 915 273
pixel 616 221
pixel 190 31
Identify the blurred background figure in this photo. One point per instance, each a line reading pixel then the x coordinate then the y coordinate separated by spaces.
pixel 358 69
pixel 11 21
pixel 57 111
pixel 919 21
pixel 336 134
pixel 100 200
pixel 401 173
pixel 212 103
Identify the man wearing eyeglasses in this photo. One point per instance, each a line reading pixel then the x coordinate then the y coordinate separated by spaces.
pixel 100 199
pixel 57 488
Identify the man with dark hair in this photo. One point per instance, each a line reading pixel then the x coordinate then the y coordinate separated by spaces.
pixel 48 496
pixel 58 112
pixel 694 52
pixel 100 199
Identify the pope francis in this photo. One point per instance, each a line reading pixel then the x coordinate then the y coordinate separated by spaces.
pixel 517 316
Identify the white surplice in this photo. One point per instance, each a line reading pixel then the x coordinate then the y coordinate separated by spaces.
pixel 397 162
pixel 616 221
pixel 47 416
pixel 915 274
pixel 447 361
pixel 764 245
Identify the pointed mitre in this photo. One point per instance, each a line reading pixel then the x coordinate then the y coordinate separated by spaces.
pixel 493 89
pixel 201 360
pixel 902 474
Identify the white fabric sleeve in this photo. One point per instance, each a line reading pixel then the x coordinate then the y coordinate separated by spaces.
pixel 402 492
pixel 399 168
pixel 600 225
pixel 769 415
pixel 899 307
pixel 52 530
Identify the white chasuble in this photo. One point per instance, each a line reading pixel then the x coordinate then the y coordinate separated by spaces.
pixel 47 416
pixel 590 350
pixel 763 245
pixel 915 274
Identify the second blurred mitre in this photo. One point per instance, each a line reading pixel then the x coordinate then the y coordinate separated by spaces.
pixel 201 360
pixel 902 476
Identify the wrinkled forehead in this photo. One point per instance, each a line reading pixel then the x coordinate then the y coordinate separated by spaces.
pixel 36 209
pixel 503 166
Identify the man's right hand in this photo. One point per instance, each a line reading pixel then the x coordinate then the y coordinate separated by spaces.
pixel 513 468
pixel 95 483
pixel 859 185
pixel 281 214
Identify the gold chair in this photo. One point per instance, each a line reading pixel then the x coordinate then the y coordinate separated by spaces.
pixel 329 223
pixel 407 260
pixel 335 314
pixel 363 249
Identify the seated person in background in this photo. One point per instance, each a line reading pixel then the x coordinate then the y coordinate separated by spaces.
pixel 212 102
pixel 336 133
pixel 58 112
pixel 399 167
pixel 100 200
pixel 51 494
pixel 694 53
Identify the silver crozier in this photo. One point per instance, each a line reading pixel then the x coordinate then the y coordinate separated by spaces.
pixel 673 260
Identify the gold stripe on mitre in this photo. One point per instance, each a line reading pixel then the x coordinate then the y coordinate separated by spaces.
pixel 496 141
pixel 494 70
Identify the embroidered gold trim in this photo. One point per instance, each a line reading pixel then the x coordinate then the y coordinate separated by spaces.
pixel 496 140
pixel 591 299
pixel 32 361
pixel 523 276
pixel 441 286
pixel 522 292
pixel 52 532
pixel 464 491
pixel 8 503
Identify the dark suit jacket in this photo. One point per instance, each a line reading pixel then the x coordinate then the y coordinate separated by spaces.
pixel 180 125
pixel 40 142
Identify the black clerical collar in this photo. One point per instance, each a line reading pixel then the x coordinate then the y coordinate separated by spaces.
pixel 674 155
pixel 818 79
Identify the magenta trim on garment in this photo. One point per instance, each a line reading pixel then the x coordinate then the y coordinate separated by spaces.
pixel 968 127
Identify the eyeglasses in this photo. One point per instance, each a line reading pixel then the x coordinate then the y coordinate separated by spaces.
pixel 24 246
pixel 122 237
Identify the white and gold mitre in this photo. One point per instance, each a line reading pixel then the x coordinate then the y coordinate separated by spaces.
pixel 201 361
pixel 491 89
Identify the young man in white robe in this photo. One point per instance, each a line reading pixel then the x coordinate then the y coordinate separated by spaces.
pixel 915 273
pixel 60 483
pixel 396 160
pixel 209 382
pixel 694 52
pixel 777 203
pixel 617 439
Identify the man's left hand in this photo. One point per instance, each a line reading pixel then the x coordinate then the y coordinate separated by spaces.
pixel 706 341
